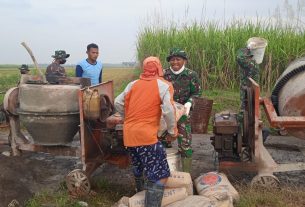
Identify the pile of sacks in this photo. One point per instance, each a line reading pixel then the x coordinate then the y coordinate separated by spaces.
pixel 214 190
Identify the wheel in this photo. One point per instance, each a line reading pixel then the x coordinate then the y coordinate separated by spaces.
pixel 245 155
pixel 265 181
pixel 283 132
pixel 78 183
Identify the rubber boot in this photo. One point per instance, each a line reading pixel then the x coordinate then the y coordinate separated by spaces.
pixel 139 181
pixel 153 195
pixel 186 164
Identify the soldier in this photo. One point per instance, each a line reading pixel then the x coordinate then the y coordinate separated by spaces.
pixel 248 68
pixel 186 86
pixel 55 70
pixel 24 69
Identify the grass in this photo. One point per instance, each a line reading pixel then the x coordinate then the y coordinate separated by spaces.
pixel 212 48
pixel 286 197
pixel 9 77
pixel 107 195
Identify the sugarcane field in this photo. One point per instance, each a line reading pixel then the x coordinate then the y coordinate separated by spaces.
pixel 152 103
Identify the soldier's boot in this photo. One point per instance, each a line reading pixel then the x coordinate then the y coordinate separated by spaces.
pixel 139 181
pixel 153 195
pixel 186 164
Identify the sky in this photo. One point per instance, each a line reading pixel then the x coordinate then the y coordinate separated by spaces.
pixel 114 25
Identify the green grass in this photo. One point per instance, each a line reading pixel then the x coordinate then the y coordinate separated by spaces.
pixel 212 48
pixel 9 77
pixel 107 195
pixel 286 197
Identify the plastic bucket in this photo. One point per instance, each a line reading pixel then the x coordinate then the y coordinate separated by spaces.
pixel 173 159
pixel 257 46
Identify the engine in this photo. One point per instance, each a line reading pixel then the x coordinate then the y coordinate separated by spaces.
pixel 226 139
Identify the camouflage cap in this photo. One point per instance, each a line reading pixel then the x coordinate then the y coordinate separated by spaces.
pixel 24 67
pixel 176 52
pixel 60 54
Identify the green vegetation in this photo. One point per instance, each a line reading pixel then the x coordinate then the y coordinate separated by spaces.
pixel 10 75
pixel 212 48
pixel 107 195
pixel 286 197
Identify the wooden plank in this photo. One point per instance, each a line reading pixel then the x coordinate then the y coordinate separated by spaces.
pixel 298 166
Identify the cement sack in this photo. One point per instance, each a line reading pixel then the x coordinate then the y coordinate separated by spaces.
pixel 203 201
pixel 179 180
pixel 123 202
pixel 180 111
pixel 170 196
pixel 214 182
pixel 219 197
pixel 193 201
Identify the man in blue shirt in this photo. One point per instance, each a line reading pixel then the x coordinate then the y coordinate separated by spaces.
pixel 90 67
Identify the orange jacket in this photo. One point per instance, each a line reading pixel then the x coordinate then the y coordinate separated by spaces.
pixel 142 103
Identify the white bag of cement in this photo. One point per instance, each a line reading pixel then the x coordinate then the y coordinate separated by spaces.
pixel 202 201
pixel 179 180
pixel 214 183
pixel 123 202
pixel 193 201
pixel 170 196
pixel 180 110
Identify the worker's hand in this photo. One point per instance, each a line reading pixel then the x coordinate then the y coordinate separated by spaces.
pixel 171 137
pixel 187 106
pixel 251 45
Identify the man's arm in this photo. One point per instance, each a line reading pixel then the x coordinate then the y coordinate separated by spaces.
pixel 79 71
pixel 196 90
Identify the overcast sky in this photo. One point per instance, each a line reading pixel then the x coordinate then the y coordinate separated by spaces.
pixel 50 25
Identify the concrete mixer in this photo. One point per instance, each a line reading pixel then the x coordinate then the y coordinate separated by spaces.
pixel 239 143
pixel 52 115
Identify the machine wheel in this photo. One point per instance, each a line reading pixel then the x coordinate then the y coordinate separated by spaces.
pixel 282 132
pixel 245 155
pixel 78 183
pixel 265 181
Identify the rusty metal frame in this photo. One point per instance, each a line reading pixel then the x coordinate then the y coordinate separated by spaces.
pixel 281 121
pixel 91 154
pixel 262 161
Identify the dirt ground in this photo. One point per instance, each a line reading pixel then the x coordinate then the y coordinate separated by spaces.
pixel 21 177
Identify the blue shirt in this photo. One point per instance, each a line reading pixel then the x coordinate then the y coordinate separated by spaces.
pixel 85 69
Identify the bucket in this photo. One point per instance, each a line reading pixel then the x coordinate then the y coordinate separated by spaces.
pixel 257 45
pixel 173 159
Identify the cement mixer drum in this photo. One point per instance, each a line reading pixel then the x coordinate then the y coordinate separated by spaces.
pixel 50 113
pixel 288 95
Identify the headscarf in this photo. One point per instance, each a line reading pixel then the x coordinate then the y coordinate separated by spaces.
pixel 152 68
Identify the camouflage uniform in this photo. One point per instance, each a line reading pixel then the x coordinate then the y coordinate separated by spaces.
pixel 24 69
pixel 55 69
pixel 186 85
pixel 247 68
